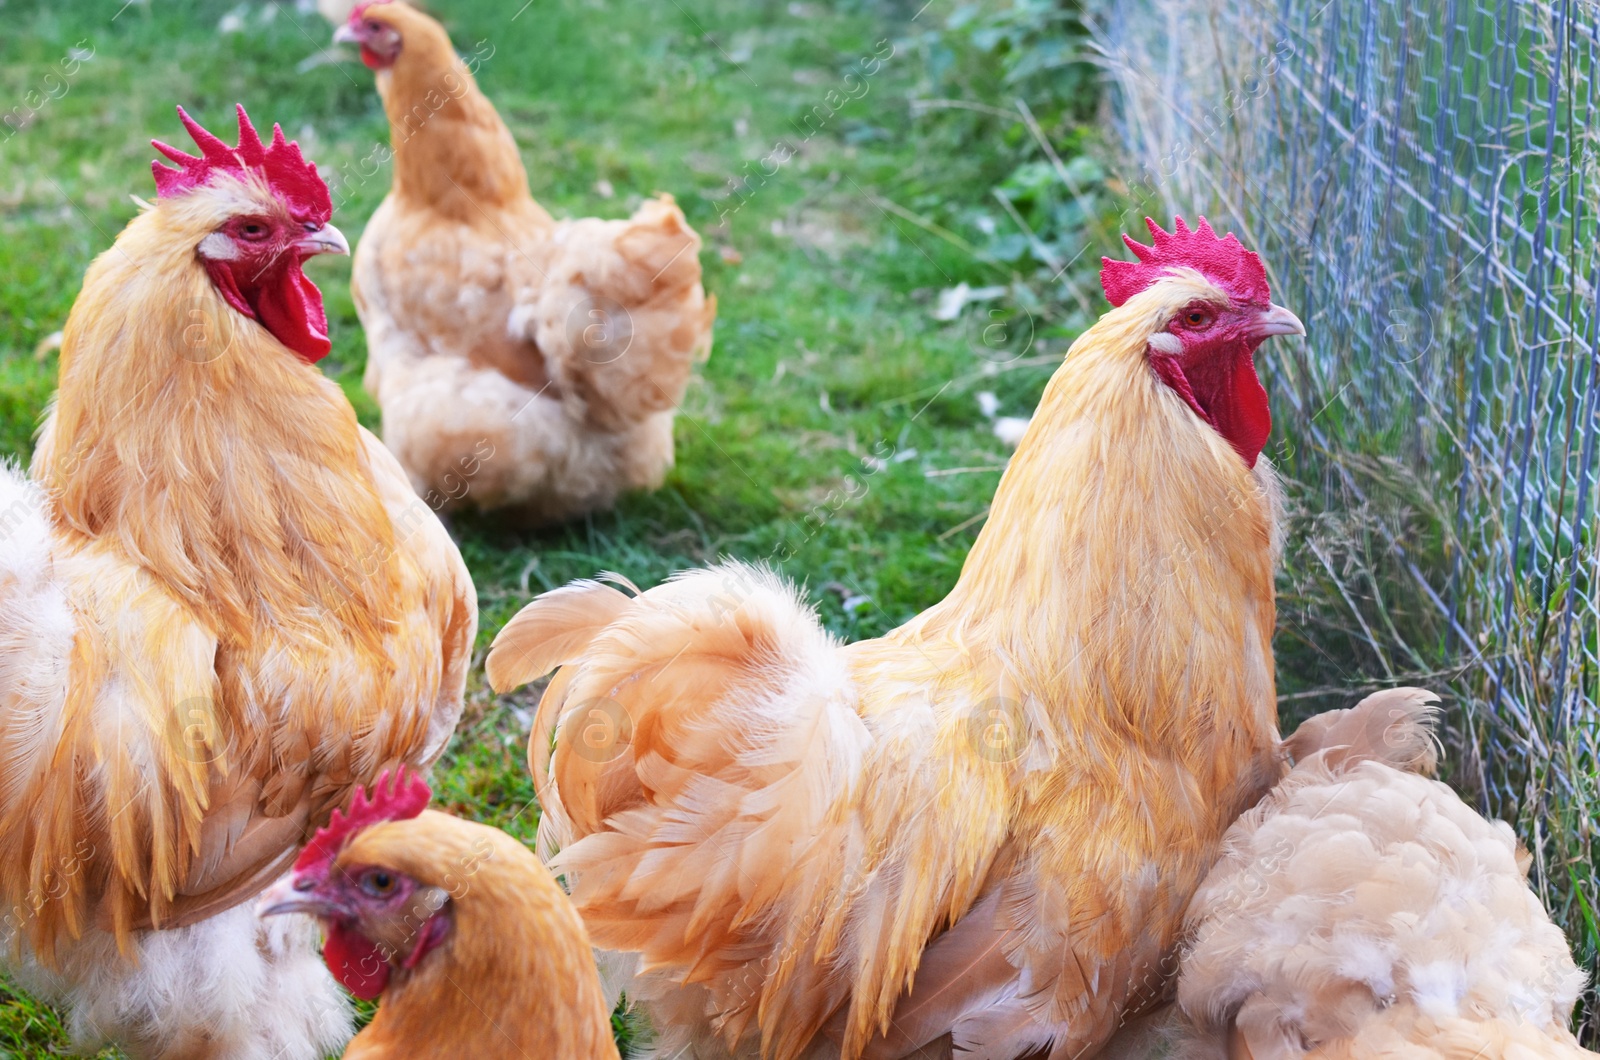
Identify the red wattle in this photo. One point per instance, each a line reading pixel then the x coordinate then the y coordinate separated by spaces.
pixel 1224 390
pixel 284 301
pixel 222 279
pixel 288 305
pixel 370 59
pixel 433 933
pixel 355 962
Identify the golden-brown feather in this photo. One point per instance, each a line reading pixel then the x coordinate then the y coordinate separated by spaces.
pixel 553 635
pixel 791 826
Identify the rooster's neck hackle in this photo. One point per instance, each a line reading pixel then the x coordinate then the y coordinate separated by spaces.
pixel 207 452
pixel 1128 556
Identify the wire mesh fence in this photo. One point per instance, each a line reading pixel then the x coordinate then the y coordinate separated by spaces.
pixel 1421 181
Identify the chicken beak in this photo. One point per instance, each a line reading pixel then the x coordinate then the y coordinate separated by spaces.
pixel 1277 321
pixel 325 240
pixel 346 34
pixel 282 897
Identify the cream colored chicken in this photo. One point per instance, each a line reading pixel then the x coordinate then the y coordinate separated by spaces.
pixel 1363 911
pixel 520 362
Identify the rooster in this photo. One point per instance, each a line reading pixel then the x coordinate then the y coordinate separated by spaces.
pixel 520 363
pixel 221 607
pixel 468 939
pixel 980 831
pixel 1363 911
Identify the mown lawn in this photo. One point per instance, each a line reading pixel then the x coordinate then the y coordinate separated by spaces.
pixel 836 430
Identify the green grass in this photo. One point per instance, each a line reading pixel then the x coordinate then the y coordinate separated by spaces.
pixel 810 438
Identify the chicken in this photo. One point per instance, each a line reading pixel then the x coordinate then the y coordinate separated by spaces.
pixel 980 831
pixel 470 942
pixel 520 363
pixel 221 607
pixel 1362 911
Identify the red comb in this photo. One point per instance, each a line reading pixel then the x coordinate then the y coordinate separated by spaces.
pixel 1223 261
pixel 400 800
pixel 286 171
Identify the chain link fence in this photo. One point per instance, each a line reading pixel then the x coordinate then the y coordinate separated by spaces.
pixel 1421 181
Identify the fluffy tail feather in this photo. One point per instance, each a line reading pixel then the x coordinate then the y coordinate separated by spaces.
pixel 1394 727
pixel 551 631
pixel 622 317
pixel 659 243
pixel 703 732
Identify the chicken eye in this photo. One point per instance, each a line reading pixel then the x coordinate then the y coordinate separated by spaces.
pixel 379 884
pixel 1197 318
pixel 254 231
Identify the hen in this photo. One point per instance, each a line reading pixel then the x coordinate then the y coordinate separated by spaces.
pixel 980 831
pixel 221 607
pixel 1362 911
pixel 472 945
pixel 520 362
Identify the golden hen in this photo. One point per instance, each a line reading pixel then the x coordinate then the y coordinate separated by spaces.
pixel 1363 912
pixel 221 607
pixel 521 363
pixel 981 830
pixel 470 942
